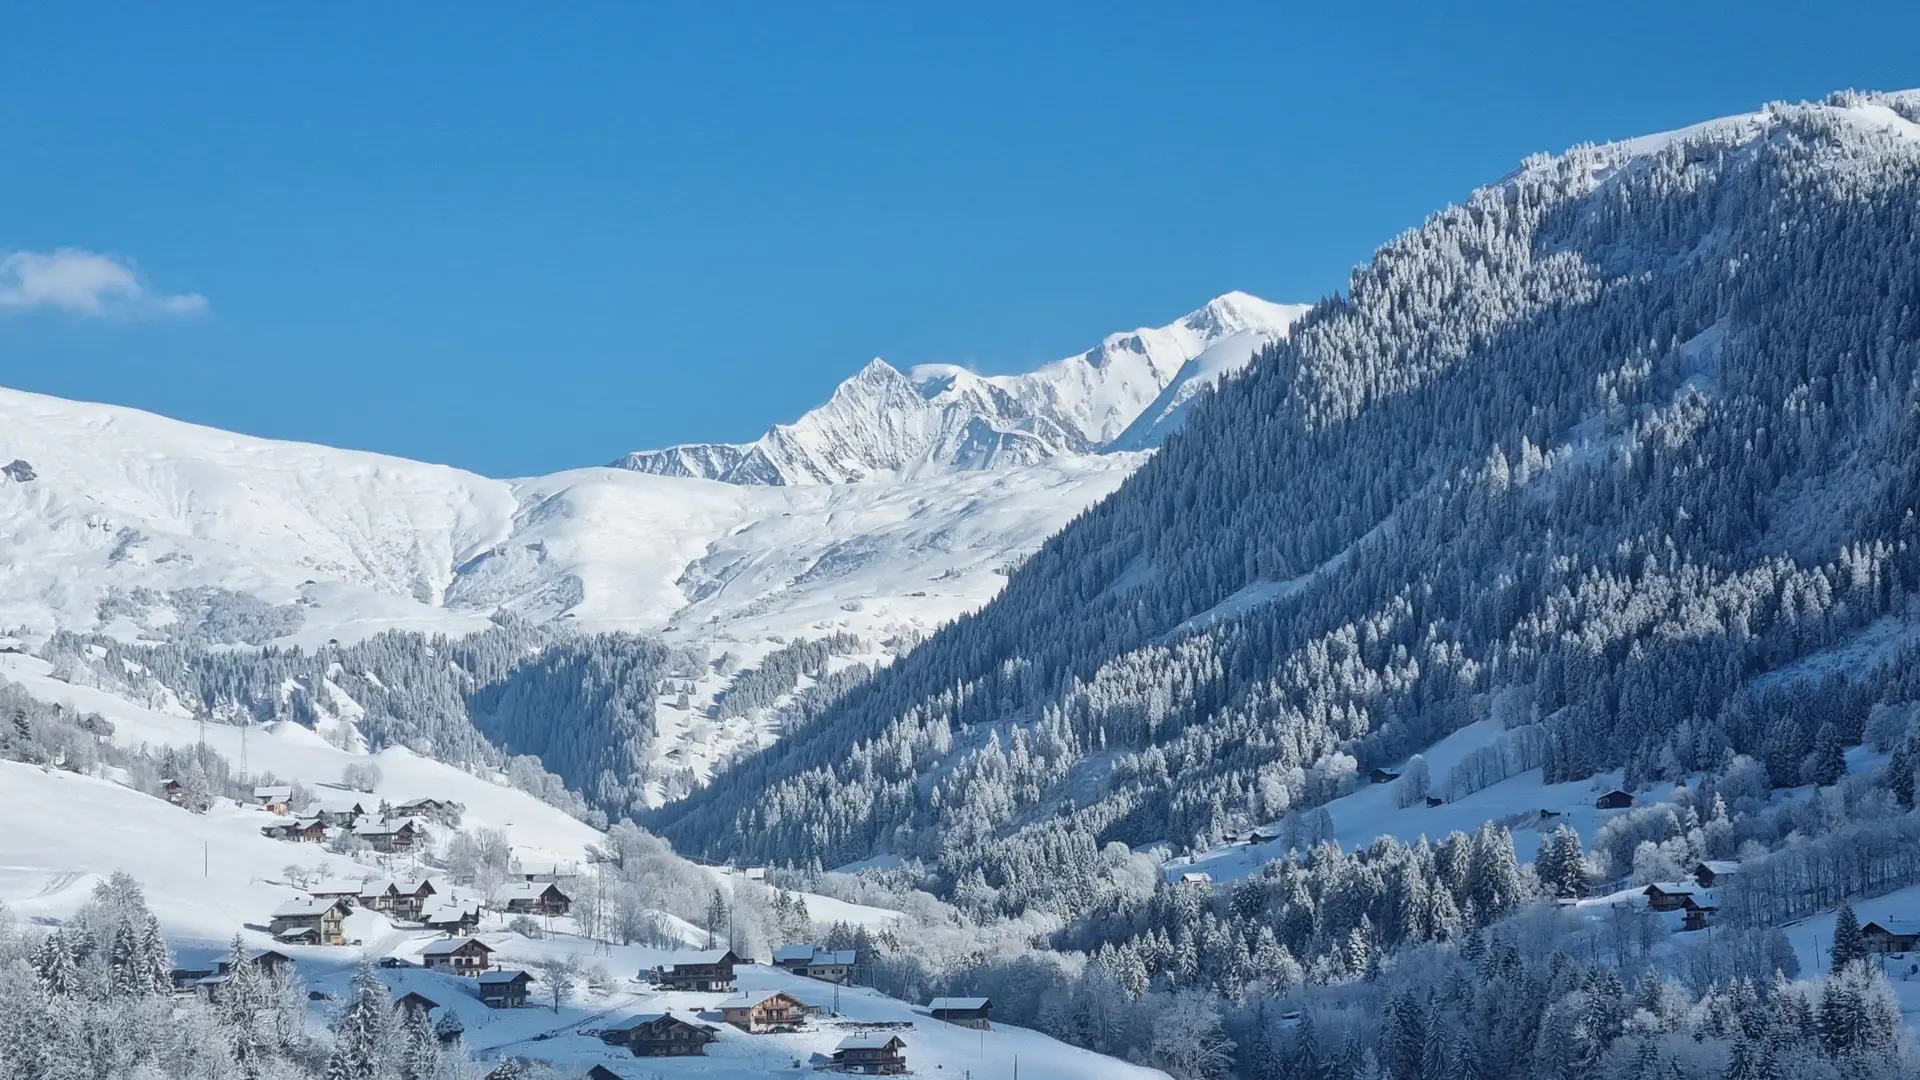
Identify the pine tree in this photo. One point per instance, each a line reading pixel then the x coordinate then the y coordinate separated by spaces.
pixel 154 962
pixel 360 1033
pixel 53 963
pixel 420 1048
pixel 1829 762
pixel 1848 942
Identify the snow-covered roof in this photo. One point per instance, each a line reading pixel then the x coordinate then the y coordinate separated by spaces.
pixel 524 890
pixel 1900 927
pixel 1676 887
pixel 961 1004
pixel 843 956
pixel 709 956
pixel 874 1041
pixel 449 946
pixel 502 975
pixel 273 793
pixel 1719 867
pixel 788 953
pixel 305 907
pixel 747 999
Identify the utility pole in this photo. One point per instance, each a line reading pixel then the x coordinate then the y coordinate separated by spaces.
pixel 206 858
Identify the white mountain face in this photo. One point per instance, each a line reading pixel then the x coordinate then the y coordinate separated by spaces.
pixel 940 417
pixel 124 522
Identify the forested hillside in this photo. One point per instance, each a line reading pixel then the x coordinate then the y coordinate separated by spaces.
pixel 1624 447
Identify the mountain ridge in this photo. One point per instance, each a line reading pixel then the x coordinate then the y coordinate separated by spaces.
pixel 882 421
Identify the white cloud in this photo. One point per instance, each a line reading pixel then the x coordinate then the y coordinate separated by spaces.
pixel 85 283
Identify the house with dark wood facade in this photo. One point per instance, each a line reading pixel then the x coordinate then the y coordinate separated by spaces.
pixel 1892 935
pixel 504 988
pixel 879 1054
pixel 704 971
pixel 532 898
pixel 969 1012
pixel 1614 800
pixel 660 1034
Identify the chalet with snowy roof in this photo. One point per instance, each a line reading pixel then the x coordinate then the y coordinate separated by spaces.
pixel 377 894
pixel 450 917
pixel 1670 895
pixel 456 956
pixel 310 920
pixel 1265 834
pixel 337 889
pixel 421 807
pixel 274 798
pixel 414 1001
pixel 1891 935
pixel 171 789
pixel 878 1054
pixel 1715 872
pixel 702 971
pixel 1614 800
pixel 1196 877
pixel 187 980
pixel 964 1011
pixel 504 988
pixel 758 1011
pixel 389 836
pixel 342 813
pixel 411 896
pixel 827 965
pixel 298 830
pixel 1383 776
pixel 1699 910
pixel 1435 800
pixel 659 1034
pixel 532 898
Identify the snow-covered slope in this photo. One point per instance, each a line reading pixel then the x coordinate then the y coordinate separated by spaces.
pixel 941 417
pixel 208 877
pixel 124 508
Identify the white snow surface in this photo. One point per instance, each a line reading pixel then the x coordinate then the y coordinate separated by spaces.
pixel 1127 393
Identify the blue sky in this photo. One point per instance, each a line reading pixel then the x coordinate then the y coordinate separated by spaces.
pixel 517 243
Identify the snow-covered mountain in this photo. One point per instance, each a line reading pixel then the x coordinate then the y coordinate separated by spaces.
pixel 940 417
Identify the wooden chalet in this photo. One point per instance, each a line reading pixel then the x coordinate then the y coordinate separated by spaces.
pixel 389 836
pixel 504 988
pixel 274 798
pixel 532 898
pixel 1551 815
pixel 1698 911
pixel 450 917
pixel 1715 872
pixel 1196 877
pixel 965 1012
pixel 879 1054
pixel 758 1011
pixel 343 814
pixel 1383 776
pixel 1265 834
pixel 1614 800
pixel 827 965
pixel 412 897
pixel 1435 800
pixel 660 1034
pixel 456 956
pixel 310 920
pixel 299 831
pixel 414 1001
pixel 337 889
pixel 1892 935
pixel 702 971
pixel 1670 895
pixel 172 789
pixel 420 806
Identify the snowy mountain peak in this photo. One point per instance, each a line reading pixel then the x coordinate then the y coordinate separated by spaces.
pixel 944 417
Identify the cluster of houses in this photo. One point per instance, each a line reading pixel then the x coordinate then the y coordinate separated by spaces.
pixel 827 965
pixel 319 918
pixel 395 834
pixel 1695 898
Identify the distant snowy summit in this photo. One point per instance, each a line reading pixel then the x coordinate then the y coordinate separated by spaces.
pixel 1128 393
